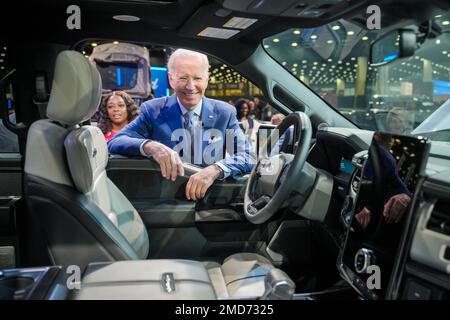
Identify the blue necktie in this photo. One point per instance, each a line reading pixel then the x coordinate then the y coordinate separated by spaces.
pixel 188 126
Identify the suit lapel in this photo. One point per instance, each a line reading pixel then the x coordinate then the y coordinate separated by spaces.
pixel 172 113
pixel 208 115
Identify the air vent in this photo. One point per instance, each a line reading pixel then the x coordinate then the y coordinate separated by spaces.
pixel 440 219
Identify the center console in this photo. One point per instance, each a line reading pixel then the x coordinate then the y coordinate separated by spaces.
pixel 146 279
pixel 120 280
pixel 164 279
pixel 32 284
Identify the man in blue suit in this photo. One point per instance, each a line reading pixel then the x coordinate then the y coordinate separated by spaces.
pixel 188 124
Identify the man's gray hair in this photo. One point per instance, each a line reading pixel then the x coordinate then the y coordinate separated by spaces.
pixel 187 53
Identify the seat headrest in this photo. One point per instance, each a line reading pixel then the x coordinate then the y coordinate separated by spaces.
pixel 76 89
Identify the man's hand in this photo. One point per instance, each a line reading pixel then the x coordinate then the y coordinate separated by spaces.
pixel 199 182
pixel 168 160
pixel 396 207
pixel 363 217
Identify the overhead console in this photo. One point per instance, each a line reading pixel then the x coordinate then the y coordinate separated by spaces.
pixel 292 8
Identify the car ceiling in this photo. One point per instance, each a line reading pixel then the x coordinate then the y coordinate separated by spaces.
pixel 178 22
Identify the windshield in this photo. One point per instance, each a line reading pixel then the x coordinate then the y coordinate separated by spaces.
pixel 333 61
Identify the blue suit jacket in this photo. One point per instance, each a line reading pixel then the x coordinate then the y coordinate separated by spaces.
pixel 160 118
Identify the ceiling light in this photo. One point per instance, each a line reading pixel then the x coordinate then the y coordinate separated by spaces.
pixel 276 40
pixel 294 44
pixel 126 18
pixel 297 32
pixel 284 63
pixel 350 33
pixel 335 28
pixel 365 38
pixel 93 44
pixel 116 42
pixel 445 23
pixel 266 46
pixel 330 41
pixel 313 37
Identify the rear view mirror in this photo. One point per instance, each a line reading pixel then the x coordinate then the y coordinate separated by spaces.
pixel 392 46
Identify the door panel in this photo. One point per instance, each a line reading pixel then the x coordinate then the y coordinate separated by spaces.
pixel 178 228
pixel 10 195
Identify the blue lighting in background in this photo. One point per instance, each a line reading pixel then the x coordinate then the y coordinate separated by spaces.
pixel 119 77
pixel 158 69
pixel 9 104
pixel 441 87
pixel 391 57
pixel 160 82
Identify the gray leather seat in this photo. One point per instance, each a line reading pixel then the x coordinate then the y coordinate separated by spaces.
pixel 82 216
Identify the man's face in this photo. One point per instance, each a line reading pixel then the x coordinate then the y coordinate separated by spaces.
pixel 189 80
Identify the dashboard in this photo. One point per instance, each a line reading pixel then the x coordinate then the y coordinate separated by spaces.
pixel 418 264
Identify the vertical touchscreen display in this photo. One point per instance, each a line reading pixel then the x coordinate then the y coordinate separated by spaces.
pixel 388 181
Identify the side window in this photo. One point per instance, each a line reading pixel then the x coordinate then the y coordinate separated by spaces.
pixel 8 141
pixel 147 78
pixel 228 85
pixel 252 108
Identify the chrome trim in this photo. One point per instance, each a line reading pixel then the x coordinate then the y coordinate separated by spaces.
pixel 168 282
pixel 369 257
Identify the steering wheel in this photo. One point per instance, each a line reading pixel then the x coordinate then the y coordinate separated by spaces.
pixel 274 177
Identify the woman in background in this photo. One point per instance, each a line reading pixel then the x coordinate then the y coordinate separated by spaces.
pixel 116 111
pixel 248 125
